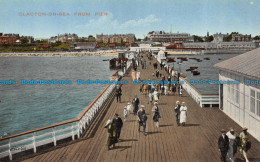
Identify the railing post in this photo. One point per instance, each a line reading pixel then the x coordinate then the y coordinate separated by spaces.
pixel 78 130
pixel 54 137
pixel 10 153
pixel 34 143
pixel 72 130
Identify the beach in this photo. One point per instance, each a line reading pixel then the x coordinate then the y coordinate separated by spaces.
pixel 97 53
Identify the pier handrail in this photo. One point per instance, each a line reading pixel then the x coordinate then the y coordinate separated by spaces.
pixel 65 122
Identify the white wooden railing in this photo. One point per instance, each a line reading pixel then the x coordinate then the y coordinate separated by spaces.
pixel 201 99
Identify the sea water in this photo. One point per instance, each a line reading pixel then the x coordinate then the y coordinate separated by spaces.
pixel 24 107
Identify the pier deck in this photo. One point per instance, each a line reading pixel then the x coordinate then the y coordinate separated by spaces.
pixel 196 142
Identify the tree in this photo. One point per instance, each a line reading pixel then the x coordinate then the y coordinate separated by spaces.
pixel 209 38
pixel 91 38
pixel 229 37
pixel 197 38
pixel 24 40
pixel 256 38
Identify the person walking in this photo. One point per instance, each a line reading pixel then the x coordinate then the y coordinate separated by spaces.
pixel 223 144
pixel 138 75
pixel 156 95
pixel 129 107
pixel 173 89
pixel 125 113
pixel 180 91
pixel 183 114
pixel 135 104
pixel 245 145
pixel 142 118
pixel 232 144
pixel 119 124
pixel 118 93
pixel 177 112
pixel 111 134
pixel 156 114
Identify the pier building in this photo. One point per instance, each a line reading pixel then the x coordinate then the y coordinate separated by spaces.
pixel 241 102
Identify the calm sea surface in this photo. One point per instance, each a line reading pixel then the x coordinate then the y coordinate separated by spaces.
pixel 27 107
pixel 206 69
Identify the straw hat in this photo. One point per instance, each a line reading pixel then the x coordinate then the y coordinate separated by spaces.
pixel 231 129
pixel 155 103
pixel 142 106
pixel 183 103
pixel 125 107
pixel 129 103
pixel 177 102
pixel 244 128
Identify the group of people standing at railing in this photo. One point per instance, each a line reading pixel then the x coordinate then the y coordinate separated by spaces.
pixel 229 144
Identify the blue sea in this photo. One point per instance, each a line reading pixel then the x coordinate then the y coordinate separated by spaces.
pixel 206 69
pixel 24 107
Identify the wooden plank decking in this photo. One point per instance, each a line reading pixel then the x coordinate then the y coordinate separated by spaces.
pixel 196 142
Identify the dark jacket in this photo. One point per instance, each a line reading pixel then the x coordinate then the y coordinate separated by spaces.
pixel 223 143
pixel 118 122
pixel 119 91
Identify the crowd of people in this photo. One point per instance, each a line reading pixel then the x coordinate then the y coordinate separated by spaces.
pixel 229 143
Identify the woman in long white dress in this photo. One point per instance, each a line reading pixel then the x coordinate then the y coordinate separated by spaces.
pixel 183 114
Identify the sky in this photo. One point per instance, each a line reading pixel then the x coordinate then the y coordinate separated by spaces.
pixel 196 17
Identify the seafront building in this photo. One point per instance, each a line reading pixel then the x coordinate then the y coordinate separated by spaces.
pixel 241 102
pixel 11 38
pixel 164 37
pixel 65 38
pixel 115 38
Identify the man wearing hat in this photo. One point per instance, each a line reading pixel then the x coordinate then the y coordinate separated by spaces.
pixel 135 104
pixel 223 144
pixel 119 124
pixel 177 112
pixel 142 118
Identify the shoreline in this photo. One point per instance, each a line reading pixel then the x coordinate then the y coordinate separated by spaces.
pixel 64 54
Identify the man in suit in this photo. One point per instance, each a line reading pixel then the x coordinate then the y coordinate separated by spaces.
pixel 223 144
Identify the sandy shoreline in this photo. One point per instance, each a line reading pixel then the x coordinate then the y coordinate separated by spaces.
pixel 61 54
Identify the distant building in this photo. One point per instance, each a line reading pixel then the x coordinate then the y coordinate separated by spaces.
pixel 241 38
pixel 169 37
pixel 218 37
pixel 65 38
pixel 1 34
pixel 241 102
pixel 9 38
pixel 116 38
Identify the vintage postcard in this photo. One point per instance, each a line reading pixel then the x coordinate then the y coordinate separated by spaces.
pixel 110 80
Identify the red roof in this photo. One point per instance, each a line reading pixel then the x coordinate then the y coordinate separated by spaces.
pixel 45 46
pixel 112 45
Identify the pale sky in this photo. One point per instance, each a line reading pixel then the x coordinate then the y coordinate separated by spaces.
pixel 130 16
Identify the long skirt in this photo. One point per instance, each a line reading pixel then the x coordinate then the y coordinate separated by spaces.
pixel 183 117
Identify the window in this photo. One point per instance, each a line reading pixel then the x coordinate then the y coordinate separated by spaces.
pixel 252 101
pixel 258 104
